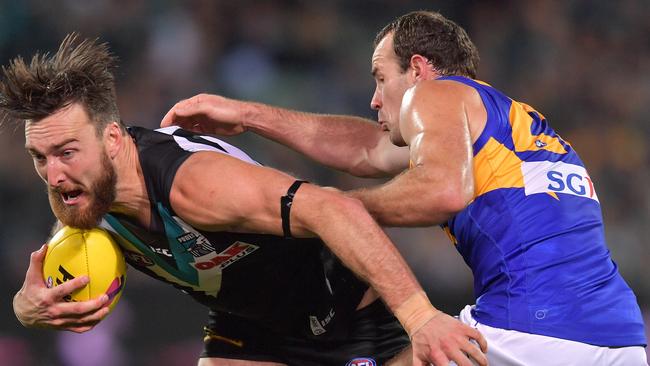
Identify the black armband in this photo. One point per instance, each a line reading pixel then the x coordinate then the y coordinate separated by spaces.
pixel 285 208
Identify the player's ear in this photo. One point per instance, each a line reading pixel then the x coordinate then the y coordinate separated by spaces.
pixel 420 66
pixel 112 138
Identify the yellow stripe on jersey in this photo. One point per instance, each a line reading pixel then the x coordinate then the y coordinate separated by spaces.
pixel 496 166
pixel 528 108
pixel 451 236
pixel 482 83
pixel 520 122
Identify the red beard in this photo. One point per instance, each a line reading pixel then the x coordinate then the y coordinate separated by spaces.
pixel 101 197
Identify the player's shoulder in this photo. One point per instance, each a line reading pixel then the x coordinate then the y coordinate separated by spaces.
pixel 441 92
pixel 458 86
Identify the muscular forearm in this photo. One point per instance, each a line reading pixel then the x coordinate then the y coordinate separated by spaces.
pixel 353 236
pixel 365 249
pixel 345 143
pixel 414 198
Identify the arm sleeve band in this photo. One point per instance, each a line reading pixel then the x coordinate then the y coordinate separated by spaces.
pixel 285 208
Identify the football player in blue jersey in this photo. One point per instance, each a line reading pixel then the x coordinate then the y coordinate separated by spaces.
pixel 515 199
pixel 254 245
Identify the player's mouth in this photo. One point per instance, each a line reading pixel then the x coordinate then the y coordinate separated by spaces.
pixel 384 125
pixel 72 197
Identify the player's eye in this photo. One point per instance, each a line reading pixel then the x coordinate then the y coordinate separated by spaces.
pixel 67 154
pixel 40 159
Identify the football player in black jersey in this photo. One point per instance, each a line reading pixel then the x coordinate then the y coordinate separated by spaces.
pixel 97 171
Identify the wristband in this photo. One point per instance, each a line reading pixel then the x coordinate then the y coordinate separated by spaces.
pixel 415 312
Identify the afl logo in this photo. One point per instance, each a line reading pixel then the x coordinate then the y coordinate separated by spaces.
pixel 361 362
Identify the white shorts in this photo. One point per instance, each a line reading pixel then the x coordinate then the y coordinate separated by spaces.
pixel 513 348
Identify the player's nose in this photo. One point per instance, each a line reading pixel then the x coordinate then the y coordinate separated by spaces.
pixel 54 174
pixel 375 102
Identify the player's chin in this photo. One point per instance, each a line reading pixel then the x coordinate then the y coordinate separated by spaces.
pixel 81 222
pixel 79 216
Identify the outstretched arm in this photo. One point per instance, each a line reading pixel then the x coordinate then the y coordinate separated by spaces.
pixel 216 192
pixel 352 144
pixel 237 196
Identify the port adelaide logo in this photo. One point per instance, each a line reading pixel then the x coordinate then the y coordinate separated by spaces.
pixel 197 245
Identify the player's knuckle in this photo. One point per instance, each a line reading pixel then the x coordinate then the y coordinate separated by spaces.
pixel 446 345
pixel 439 358
pixel 94 318
pixel 77 308
pixel 52 312
pixel 33 260
pixel 42 302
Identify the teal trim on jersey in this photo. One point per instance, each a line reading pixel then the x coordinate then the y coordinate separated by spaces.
pixel 190 277
pixel 173 230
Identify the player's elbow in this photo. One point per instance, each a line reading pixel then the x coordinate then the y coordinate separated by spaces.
pixel 365 170
pixel 342 204
pixel 360 165
pixel 455 198
pixel 336 206
pixel 377 163
pixel 436 207
pixel 454 202
pixel 319 210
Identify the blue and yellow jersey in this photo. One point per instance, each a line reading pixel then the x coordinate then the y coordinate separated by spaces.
pixel 533 234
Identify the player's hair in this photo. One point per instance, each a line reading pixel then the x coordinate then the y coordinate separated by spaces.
pixel 444 43
pixel 79 72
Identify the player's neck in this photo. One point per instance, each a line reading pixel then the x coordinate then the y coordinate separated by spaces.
pixel 131 191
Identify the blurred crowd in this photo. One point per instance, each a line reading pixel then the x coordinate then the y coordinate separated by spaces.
pixel 584 64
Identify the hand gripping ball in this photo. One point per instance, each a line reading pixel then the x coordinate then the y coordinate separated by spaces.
pixel 74 252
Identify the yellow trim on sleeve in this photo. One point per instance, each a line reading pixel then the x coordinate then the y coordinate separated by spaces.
pixel 520 122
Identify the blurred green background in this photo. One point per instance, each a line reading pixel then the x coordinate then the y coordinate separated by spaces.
pixel 584 64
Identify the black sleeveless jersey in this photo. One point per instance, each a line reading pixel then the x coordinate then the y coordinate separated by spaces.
pixel 293 286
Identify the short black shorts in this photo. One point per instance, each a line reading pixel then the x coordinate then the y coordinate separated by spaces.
pixel 375 334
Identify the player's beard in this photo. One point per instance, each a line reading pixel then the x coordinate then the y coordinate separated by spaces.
pixel 101 196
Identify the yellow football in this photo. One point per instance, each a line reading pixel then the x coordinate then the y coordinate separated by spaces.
pixel 74 252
